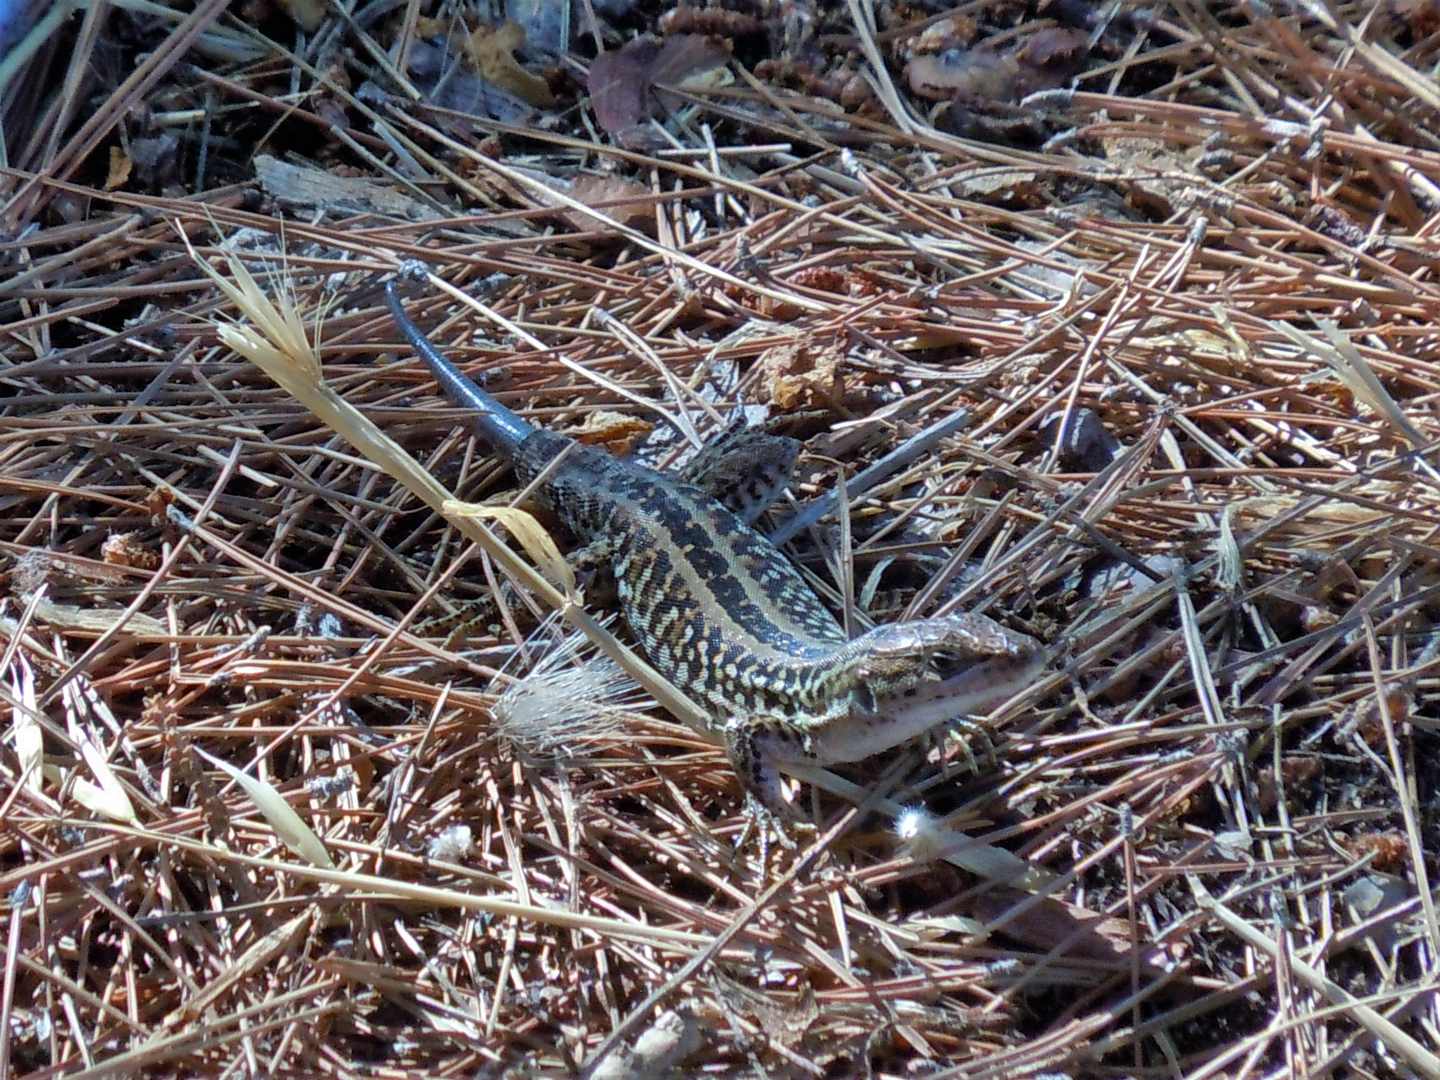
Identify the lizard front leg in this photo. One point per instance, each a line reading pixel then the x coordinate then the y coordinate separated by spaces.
pixel 755 745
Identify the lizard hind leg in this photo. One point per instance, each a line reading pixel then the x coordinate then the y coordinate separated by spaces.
pixel 745 469
pixel 594 566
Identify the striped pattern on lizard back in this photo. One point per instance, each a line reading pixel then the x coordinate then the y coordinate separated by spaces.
pixel 718 610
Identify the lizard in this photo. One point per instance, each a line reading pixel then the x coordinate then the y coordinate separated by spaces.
pixel 725 616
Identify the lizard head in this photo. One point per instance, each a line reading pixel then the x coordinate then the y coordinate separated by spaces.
pixel 905 678
pixel 898 681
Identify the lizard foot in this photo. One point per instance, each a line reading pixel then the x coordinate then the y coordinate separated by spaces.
pixel 763 823
pixel 965 730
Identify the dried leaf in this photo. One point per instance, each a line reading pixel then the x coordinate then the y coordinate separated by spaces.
pixel 119 172
pixel 1320 520
pixel 1046 59
pixel 637 201
pixel 98 620
pixel 619 85
pixel 1422 15
pixel 308 14
pixel 616 432
pixel 1054 923
pixel 943 926
pixel 296 185
pixel 288 825
pixel 783 1022
pixel 453 86
pixel 157 158
pixel 123 549
pixel 977 73
pixel 492 51
pixel 1050 56
pixel 801 377
pixel 684 57
pixel 622 82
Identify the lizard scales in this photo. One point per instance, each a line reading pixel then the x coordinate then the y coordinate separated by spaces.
pixel 726 617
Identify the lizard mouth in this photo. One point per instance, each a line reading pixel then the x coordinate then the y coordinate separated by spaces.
pixel 970 686
pixel 967 686
pixel 959 686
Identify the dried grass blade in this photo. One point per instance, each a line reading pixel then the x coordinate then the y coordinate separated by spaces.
pixel 107 796
pixel 288 825
pixel 1399 1041
pixel 1345 360
pixel 257 956
pixel 372 884
pixel 533 537
pixel 29 739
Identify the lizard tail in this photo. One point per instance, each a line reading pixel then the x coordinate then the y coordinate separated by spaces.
pixel 493 422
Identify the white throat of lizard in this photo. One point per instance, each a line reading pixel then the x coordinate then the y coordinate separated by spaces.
pixel 900 697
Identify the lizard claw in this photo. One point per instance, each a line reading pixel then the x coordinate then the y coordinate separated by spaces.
pixel 764 822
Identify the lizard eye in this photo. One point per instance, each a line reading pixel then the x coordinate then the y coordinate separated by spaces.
pixel 950 661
